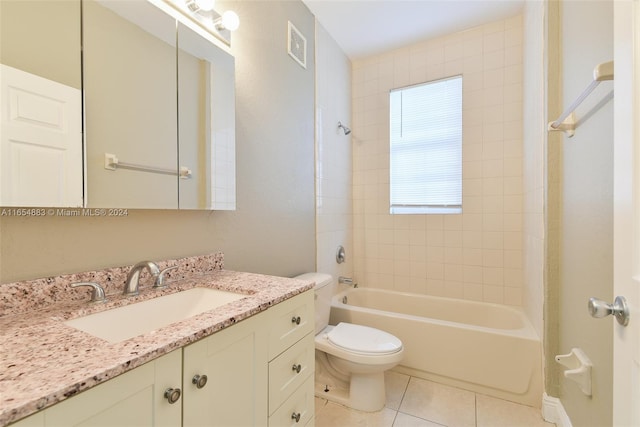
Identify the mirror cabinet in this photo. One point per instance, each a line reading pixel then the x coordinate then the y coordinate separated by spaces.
pixel 157 94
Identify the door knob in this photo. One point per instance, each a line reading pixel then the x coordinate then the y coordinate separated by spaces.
pixel 619 308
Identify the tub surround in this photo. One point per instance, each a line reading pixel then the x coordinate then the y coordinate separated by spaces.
pixel 45 361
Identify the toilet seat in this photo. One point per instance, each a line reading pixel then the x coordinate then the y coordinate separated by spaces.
pixel 363 339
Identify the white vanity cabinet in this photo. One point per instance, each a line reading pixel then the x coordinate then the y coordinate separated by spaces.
pixel 258 372
pixel 135 398
pixel 292 362
pixel 234 362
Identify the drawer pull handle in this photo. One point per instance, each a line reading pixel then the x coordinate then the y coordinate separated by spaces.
pixel 296 320
pixel 296 416
pixel 296 368
pixel 199 380
pixel 172 395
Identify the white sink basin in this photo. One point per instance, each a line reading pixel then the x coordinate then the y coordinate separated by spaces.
pixel 126 322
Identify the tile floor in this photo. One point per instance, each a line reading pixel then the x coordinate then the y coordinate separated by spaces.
pixel 414 402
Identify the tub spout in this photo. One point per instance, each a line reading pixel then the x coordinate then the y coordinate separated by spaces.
pixel 347 281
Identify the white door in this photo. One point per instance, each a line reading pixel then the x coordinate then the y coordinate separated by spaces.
pixel 626 380
pixel 40 141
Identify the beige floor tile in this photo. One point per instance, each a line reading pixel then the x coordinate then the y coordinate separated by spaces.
pixel 405 420
pixel 492 412
pixel 439 403
pixel 395 386
pixel 320 405
pixel 334 415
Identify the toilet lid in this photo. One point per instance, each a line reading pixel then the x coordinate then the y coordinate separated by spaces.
pixel 363 339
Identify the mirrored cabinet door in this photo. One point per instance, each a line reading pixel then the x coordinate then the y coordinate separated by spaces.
pixel 130 105
pixel 41 160
pixel 206 122
pixel 158 99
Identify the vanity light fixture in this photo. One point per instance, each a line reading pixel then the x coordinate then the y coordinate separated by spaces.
pixel 228 21
pixel 203 13
pixel 200 5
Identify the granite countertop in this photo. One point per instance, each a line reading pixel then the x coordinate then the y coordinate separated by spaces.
pixel 43 361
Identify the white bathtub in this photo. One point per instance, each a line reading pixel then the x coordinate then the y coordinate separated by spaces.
pixel 487 348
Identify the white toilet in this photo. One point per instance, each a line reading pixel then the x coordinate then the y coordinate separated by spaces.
pixel 350 359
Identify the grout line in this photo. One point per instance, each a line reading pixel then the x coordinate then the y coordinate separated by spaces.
pixel 401 399
pixel 475 408
pixel 400 403
pixel 394 419
pixel 404 393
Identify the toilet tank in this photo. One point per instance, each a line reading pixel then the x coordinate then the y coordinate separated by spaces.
pixel 324 290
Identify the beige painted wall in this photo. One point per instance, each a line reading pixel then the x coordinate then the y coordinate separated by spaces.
pixel 586 217
pixel 553 197
pixel 273 229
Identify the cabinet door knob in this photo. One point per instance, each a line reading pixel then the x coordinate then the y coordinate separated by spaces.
pixel 172 395
pixel 296 320
pixel 199 380
pixel 296 416
pixel 296 368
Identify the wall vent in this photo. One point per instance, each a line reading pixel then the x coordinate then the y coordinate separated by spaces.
pixel 297 45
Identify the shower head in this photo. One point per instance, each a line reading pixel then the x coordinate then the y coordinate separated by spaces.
pixel 345 129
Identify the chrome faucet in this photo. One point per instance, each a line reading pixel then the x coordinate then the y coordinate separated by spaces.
pixel 133 279
pixel 161 280
pixel 347 281
pixel 97 292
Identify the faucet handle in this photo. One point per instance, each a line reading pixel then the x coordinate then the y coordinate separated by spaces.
pixel 347 281
pixel 160 280
pixel 97 293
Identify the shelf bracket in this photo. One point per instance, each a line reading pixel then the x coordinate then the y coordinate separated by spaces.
pixel 568 125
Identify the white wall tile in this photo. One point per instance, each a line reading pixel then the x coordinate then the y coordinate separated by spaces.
pixel 473 292
pixel 478 254
pixel 472 274
pixel 453 256
pixel 493 42
pixel 344 85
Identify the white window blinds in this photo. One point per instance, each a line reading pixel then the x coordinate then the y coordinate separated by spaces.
pixel 426 148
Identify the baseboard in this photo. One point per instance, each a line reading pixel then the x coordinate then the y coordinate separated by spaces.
pixel 553 411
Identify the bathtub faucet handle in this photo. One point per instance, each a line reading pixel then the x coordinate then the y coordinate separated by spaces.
pixel 347 281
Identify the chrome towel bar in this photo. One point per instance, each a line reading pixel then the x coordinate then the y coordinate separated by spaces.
pixel 566 122
pixel 111 162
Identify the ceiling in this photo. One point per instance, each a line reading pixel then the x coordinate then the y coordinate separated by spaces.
pixel 368 27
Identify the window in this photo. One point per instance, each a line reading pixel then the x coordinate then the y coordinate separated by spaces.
pixel 426 148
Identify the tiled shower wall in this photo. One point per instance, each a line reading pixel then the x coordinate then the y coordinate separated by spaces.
pixel 476 255
pixel 333 156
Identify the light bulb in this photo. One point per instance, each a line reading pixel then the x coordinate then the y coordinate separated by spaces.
pixel 230 20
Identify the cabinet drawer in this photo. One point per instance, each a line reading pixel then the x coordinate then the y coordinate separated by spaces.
pixel 291 320
pixel 284 377
pixel 301 403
